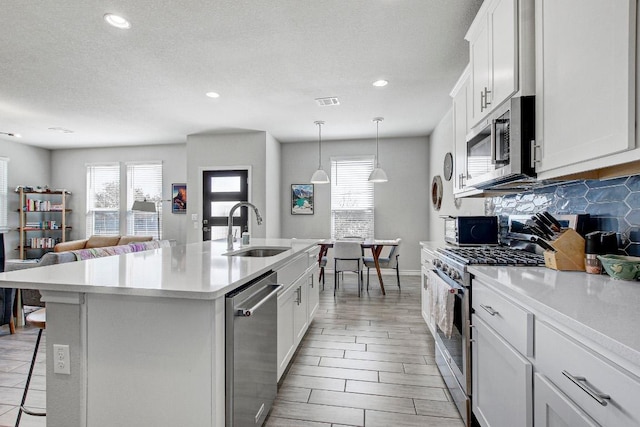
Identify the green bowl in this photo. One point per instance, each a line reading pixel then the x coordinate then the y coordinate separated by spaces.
pixel 621 267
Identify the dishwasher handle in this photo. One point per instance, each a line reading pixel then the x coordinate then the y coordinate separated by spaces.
pixel 246 312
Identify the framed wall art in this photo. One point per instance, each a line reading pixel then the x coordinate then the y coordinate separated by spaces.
pixel 302 199
pixel 179 198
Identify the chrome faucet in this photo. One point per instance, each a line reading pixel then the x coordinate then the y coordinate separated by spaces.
pixel 230 238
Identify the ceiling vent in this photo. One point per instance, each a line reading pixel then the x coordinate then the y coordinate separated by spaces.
pixel 327 102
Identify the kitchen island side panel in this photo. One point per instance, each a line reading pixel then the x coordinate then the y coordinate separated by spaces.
pixel 154 361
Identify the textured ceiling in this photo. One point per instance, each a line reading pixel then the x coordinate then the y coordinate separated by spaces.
pixel 63 67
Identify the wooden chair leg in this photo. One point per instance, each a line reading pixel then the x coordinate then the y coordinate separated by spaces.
pixel 398 274
pixel 368 278
pixel 12 326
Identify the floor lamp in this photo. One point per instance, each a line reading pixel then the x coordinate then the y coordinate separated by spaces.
pixel 146 206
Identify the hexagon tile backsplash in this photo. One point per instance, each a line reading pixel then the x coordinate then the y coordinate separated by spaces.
pixel 613 205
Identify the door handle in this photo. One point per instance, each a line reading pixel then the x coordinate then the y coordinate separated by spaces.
pixel 246 312
pixel 581 382
pixel 205 229
pixel 489 309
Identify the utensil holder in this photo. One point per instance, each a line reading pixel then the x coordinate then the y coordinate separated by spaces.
pixel 569 254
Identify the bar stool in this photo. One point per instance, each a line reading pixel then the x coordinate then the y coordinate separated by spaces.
pixel 37 319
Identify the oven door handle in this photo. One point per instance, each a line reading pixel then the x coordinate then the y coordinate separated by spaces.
pixel 455 287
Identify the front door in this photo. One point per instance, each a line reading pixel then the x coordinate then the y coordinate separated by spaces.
pixel 222 189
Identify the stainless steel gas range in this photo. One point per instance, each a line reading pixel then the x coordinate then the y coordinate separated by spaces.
pixel 453 347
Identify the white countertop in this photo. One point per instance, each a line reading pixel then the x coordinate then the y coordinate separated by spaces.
pixel 196 270
pixel 601 309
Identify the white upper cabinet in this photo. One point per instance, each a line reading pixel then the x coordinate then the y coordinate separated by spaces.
pixel 461 95
pixel 585 83
pixel 501 53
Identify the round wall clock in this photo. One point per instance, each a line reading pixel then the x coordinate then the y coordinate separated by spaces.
pixel 448 166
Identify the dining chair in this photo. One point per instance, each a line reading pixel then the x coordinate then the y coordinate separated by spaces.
pixel 390 261
pixel 322 264
pixel 347 257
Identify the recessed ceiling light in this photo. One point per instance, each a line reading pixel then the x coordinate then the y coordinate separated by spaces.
pixel 117 21
pixel 380 83
pixel 213 94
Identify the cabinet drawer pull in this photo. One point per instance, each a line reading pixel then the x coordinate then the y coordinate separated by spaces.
pixel 581 382
pixel 489 309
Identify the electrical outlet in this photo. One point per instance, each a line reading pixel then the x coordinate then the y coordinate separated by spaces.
pixel 61 362
pixel 194 217
pixel 196 225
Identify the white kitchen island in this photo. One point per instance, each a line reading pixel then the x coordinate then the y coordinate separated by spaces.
pixel 145 331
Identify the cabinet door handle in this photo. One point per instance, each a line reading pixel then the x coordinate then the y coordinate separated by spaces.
pixel 489 309
pixel 486 97
pixel 581 382
pixel 299 298
pixel 534 157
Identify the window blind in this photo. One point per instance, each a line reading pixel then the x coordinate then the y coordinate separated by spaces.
pixel 144 182
pixel 4 191
pixel 103 199
pixel 352 201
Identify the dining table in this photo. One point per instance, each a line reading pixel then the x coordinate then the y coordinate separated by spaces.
pixel 375 246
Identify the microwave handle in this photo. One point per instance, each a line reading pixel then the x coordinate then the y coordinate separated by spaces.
pixel 494 139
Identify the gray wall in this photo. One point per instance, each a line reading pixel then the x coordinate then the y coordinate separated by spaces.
pixel 27 166
pixel 272 190
pixel 441 142
pixel 69 171
pixel 401 205
pixel 208 152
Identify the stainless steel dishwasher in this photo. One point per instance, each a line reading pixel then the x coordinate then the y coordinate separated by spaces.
pixel 251 351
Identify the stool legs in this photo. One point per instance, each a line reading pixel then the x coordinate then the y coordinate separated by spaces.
pixel 26 387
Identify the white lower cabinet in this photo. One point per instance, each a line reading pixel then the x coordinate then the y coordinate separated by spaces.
pixel 285 328
pixel 554 409
pixel 501 381
pixel 298 303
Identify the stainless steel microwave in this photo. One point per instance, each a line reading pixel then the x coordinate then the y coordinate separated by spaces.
pixel 499 149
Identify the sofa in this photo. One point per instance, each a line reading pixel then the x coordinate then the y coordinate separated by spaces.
pixel 78 250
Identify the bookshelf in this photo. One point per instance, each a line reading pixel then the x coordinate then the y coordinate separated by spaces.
pixel 43 220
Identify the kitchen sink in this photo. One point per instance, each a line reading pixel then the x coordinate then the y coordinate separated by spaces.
pixel 259 251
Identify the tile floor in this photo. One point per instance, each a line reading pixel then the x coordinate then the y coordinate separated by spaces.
pixel 364 362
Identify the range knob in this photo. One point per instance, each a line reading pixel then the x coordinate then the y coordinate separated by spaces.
pixel 437 263
pixel 454 274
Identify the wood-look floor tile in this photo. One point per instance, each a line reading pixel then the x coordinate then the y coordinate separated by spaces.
pixel 313 382
pixel 294 394
pixel 284 422
pixel 363 401
pixel 418 350
pixel 436 409
pixel 410 368
pixel 397 390
pixel 354 333
pixel 421 380
pixel 369 365
pixel 307 360
pixel 418 341
pixel 321 413
pixel 384 357
pixel 387 419
pixel 334 345
pixel 321 352
pixel 332 338
pixel 326 372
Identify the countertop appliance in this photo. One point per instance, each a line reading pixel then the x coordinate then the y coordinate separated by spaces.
pixel 500 148
pixel 251 315
pixel 453 354
pixel 471 230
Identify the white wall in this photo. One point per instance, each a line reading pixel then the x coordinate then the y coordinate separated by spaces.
pixel 27 166
pixel 441 142
pixel 273 187
pixel 207 152
pixel 69 171
pixel 401 205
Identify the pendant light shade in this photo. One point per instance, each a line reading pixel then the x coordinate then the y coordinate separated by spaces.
pixel 319 176
pixel 378 174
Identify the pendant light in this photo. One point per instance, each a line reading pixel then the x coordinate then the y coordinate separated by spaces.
pixel 378 174
pixel 319 176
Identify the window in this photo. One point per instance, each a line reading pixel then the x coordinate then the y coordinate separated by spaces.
pixel 351 197
pixel 4 189
pixel 144 182
pixel 103 199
